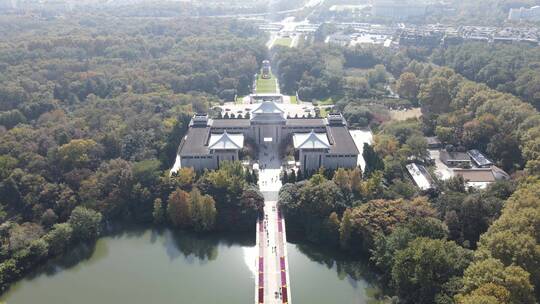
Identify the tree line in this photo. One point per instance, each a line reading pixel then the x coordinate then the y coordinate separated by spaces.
pixel 508 68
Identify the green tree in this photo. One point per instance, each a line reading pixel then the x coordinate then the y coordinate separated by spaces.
pixel 158 213
pixel 373 161
pixel 8 273
pixel 491 272
pixel 111 189
pixel 48 218
pixel 418 147
pixel 407 86
pixel 386 246
pixel 513 237
pixel 208 213
pixel 85 223
pixel 59 238
pixel 79 153
pixel 179 208
pixel 345 229
pixel 435 96
pixel 420 270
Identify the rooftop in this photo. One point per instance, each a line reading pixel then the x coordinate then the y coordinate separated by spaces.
pixel 310 140
pixel 420 176
pixel 268 107
pixel 226 141
pixel 486 175
pixel 306 122
pixel 229 123
pixel 476 175
pixel 341 140
pixel 479 158
pixel 194 141
pixel 433 140
pixel 454 156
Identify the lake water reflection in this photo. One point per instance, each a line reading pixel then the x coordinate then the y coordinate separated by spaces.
pixel 161 266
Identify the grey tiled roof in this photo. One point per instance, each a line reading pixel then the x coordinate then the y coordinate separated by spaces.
pixel 479 158
pixel 341 140
pixel 230 123
pixel 305 122
pixel 194 142
pixel 454 156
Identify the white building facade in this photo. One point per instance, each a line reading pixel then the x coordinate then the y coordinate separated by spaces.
pixel 319 142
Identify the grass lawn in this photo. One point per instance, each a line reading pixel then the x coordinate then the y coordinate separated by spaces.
pixel 283 42
pixel 293 99
pixel 239 99
pixel 406 114
pixel 266 85
pixel 328 101
pixel 324 112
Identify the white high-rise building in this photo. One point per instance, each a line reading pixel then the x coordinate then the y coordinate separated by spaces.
pixel 532 14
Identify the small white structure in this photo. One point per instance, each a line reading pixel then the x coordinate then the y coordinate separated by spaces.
pixel 420 176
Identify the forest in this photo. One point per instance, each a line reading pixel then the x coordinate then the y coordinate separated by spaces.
pixel 507 68
pixel 452 245
pixel 91 114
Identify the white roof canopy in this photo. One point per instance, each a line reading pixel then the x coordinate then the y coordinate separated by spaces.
pixel 310 140
pixel 268 107
pixel 226 141
pixel 419 176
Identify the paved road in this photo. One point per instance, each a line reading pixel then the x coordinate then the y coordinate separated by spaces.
pixel 272 262
pixel 360 137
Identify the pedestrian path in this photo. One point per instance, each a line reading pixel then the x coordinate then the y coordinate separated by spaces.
pixel 272 282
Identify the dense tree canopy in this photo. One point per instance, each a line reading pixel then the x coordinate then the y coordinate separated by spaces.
pixel 92 110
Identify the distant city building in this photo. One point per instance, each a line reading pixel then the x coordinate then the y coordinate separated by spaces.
pixel 338 39
pixel 307 28
pixel 398 9
pixel 421 38
pixel 531 14
pixel 318 142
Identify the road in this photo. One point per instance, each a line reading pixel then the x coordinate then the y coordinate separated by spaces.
pixel 308 4
pixel 360 138
pixel 272 283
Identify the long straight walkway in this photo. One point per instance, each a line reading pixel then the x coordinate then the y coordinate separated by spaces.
pixel 272 283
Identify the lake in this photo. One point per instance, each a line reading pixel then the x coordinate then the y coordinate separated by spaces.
pixel 160 266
